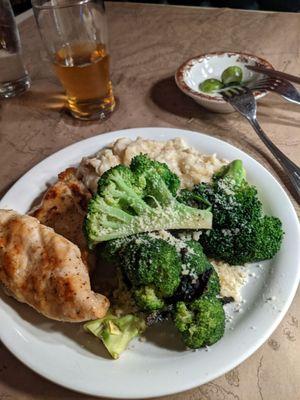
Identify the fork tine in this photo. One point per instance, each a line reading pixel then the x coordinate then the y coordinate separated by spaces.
pixel 225 95
pixel 228 94
pixel 269 79
pixel 236 90
pixel 261 83
pixel 277 85
pixel 260 87
pixel 265 86
pixel 242 89
pixel 232 92
pixel 239 90
pixel 241 99
pixel 267 82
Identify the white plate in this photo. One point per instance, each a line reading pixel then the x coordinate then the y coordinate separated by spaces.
pixel 66 355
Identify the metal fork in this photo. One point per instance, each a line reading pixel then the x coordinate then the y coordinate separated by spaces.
pixel 243 101
pixel 280 86
pixel 274 73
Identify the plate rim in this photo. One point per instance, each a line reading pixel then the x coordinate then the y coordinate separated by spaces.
pixel 189 385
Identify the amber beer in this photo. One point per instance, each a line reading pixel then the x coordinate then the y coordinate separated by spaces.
pixel 83 69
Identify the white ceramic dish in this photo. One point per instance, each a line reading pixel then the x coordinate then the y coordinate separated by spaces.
pixel 66 355
pixel 211 65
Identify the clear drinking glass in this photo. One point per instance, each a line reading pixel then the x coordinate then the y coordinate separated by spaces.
pixel 14 78
pixel 75 36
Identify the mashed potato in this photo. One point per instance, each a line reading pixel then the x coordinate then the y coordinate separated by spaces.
pixel 189 164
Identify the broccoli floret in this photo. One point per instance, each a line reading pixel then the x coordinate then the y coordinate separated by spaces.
pixel 109 250
pixel 150 267
pixel 212 287
pixel 201 323
pixel 193 199
pixel 142 163
pixel 196 270
pixel 144 260
pixel 233 172
pixel 116 333
pixel 240 233
pixel 138 199
pixel 193 258
pixel 269 238
pixel 153 261
pixel 207 283
pixel 147 300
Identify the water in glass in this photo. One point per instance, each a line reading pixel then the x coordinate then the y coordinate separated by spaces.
pixel 14 78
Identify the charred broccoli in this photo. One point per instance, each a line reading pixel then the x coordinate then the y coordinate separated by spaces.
pixel 167 277
pixel 196 271
pixel 159 268
pixel 136 199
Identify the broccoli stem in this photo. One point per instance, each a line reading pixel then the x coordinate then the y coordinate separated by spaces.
pixel 235 171
pixel 160 218
pixel 128 194
pixel 114 212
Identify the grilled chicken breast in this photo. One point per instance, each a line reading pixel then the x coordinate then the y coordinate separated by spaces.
pixel 45 270
pixel 63 208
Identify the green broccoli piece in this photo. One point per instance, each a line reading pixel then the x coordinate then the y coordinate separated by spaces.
pixel 150 267
pixel 147 300
pixel 153 261
pixel 213 287
pixel 145 261
pixel 201 323
pixel 193 199
pixel 233 172
pixel 142 163
pixel 193 258
pixel 269 238
pixel 109 251
pixel 138 199
pixel 240 233
pixel 116 332
pixel 196 270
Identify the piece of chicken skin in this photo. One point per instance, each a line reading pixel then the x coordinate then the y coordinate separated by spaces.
pixel 45 270
pixel 64 207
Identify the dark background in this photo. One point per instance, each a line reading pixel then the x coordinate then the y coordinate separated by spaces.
pixel 273 5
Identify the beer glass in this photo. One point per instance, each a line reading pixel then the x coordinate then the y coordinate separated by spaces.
pixel 75 36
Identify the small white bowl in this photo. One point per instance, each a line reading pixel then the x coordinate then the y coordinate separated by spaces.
pixel 211 65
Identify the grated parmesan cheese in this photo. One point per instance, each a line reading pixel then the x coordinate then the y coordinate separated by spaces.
pixel 232 279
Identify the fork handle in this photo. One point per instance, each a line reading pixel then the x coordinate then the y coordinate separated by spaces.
pixel 292 170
